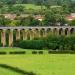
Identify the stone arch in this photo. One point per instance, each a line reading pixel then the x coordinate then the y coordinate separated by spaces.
pixel 36 33
pixel 49 31
pixel 18 32
pixel 72 30
pixel 61 31
pixel 22 32
pixel 32 34
pixel 29 34
pixel 10 36
pixel 66 31
pixel 14 34
pixel 7 36
pixel 42 32
pixel 55 31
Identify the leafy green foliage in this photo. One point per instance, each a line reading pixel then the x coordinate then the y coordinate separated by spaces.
pixel 28 21
pixel 52 42
pixel 32 44
pixel 54 15
pixel 4 21
pixel 72 23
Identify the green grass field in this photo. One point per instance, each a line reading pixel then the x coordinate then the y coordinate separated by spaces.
pixel 34 7
pixel 31 6
pixel 43 64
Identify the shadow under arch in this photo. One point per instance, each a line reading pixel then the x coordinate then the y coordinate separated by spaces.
pixel 49 31
pixel 22 32
pixel 42 32
pixel 7 36
pixel 29 34
pixel 55 31
pixel 72 30
pixel 61 31
pixel 36 33
pixel 16 69
pixel 66 31
pixel 0 36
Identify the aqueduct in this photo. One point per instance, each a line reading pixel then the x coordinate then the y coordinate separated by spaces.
pixel 29 33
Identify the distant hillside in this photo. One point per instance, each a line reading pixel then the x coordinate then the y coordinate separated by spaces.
pixel 30 6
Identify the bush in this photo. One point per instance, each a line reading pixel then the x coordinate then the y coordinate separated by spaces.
pixel 34 52
pixel 32 44
pixel 61 52
pixel 3 53
pixel 61 43
pixel 52 42
pixel 72 23
pixel 18 52
pixel 40 52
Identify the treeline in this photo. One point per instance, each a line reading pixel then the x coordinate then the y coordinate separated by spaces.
pixel 53 2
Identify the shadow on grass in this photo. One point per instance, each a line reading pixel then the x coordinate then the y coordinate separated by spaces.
pixel 15 69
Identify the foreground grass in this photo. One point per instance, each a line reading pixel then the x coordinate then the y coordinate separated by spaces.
pixel 45 64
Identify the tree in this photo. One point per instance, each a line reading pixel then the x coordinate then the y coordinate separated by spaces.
pixel 53 16
pixel 28 21
pixel 72 23
pixel 18 9
pixel 11 2
pixel 4 21
pixel 1 4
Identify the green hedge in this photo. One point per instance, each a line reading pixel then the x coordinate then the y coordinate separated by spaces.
pixel 52 42
pixel 61 43
pixel 31 44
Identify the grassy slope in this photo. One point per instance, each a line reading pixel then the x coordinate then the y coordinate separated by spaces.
pixel 53 64
pixel 30 6
pixel 34 7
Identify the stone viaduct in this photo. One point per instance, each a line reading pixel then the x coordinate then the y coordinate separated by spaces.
pixel 29 33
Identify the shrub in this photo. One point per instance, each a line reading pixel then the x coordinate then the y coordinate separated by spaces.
pixel 52 42
pixel 72 23
pixel 18 52
pixel 16 43
pixel 32 44
pixel 40 52
pixel 3 53
pixel 34 52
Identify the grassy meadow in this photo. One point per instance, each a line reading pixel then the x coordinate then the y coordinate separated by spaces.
pixel 30 6
pixel 41 64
